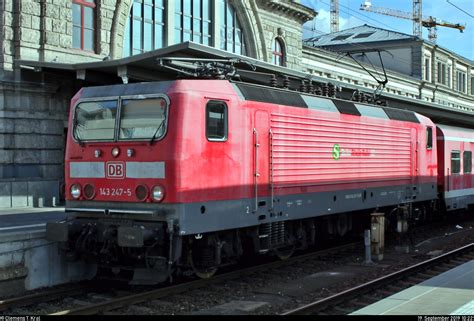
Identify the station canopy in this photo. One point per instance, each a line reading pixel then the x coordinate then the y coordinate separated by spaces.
pixel 146 67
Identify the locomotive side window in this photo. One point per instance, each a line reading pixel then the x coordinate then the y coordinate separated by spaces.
pixel 455 162
pixel 95 120
pixel 467 162
pixel 143 119
pixel 216 121
pixel 429 138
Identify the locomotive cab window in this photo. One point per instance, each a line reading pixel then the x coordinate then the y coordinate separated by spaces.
pixel 429 138
pixel 216 121
pixel 95 120
pixel 143 119
pixel 455 162
pixel 467 162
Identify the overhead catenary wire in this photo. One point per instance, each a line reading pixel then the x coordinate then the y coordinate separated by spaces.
pixel 363 15
pixel 460 9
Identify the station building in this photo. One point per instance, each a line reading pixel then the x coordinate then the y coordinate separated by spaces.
pixel 34 105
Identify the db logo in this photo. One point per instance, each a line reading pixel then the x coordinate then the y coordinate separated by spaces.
pixel 115 170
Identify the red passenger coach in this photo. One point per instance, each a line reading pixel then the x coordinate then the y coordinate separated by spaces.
pixel 189 174
pixel 456 182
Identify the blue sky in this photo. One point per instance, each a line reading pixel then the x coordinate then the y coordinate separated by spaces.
pixel 351 16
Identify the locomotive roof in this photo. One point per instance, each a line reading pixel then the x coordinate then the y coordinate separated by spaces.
pixel 464 134
pixel 264 94
pixel 298 99
pixel 146 88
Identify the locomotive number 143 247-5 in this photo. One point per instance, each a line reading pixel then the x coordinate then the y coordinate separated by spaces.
pixel 105 191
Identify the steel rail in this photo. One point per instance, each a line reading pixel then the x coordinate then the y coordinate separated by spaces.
pixel 164 292
pixel 41 297
pixel 375 284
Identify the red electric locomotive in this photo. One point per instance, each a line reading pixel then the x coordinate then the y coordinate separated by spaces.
pixel 187 175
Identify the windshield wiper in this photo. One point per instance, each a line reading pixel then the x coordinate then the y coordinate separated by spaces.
pixel 74 129
pixel 157 131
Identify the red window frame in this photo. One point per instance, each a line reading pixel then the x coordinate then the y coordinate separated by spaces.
pixel 278 52
pixel 89 4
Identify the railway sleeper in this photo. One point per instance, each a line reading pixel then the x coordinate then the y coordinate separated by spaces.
pixel 428 274
pixel 458 261
pixel 416 279
pixel 363 302
pixel 342 310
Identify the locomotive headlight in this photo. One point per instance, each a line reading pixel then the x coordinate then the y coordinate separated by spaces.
pixel 76 191
pixel 115 151
pixel 158 193
pixel 89 191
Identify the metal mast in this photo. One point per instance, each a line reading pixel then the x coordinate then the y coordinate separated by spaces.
pixel 334 15
pixel 417 18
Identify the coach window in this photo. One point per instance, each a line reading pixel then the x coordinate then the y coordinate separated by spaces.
pixel 216 121
pixel 429 138
pixel 467 163
pixel 455 162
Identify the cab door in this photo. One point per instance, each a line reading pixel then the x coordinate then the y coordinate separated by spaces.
pixel 261 147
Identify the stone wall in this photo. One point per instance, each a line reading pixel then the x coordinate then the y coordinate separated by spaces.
pixel 32 122
pixel 6 41
pixel 42 30
pixel 34 112
pixel 286 26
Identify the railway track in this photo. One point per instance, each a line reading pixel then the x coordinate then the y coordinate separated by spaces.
pixel 90 298
pixel 361 296
pixel 128 300
pixel 42 297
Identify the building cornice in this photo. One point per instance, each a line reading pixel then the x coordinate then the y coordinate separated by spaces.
pixel 290 8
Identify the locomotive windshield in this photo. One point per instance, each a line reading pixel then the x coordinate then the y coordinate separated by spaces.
pixel 140 119
pixel 95 120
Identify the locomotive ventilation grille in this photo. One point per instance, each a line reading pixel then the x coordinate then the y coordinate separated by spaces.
pixel 311 150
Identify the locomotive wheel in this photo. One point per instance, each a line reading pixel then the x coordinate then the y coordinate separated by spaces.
pixel 200 267
pixel 285 252
pixel 342 225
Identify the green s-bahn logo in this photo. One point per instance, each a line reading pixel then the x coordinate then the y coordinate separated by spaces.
pixel 336 152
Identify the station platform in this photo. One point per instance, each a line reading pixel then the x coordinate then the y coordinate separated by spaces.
pixel 450 293
pixel 27 260
pixel 27 220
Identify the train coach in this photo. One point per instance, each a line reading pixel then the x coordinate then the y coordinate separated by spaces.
pixel 187 176
pixel 456 182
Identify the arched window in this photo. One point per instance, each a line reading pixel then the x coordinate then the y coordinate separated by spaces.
pixel 193 21
pixel 145 29
pixel 232 36
pixel 83 24
pixel 278 52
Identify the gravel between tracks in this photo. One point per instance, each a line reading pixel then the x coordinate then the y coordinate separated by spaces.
pixel 245 296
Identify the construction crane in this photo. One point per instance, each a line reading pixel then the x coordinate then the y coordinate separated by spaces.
pixel 417 17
